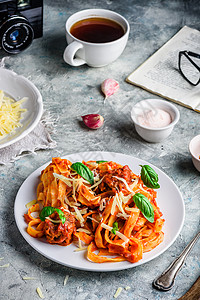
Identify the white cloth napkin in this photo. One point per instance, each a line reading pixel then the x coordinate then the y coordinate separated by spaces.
pixel 37 139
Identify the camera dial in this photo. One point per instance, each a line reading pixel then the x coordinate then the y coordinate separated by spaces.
pixel 16 34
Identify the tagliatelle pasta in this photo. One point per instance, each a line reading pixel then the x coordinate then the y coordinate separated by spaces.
pixel 95 206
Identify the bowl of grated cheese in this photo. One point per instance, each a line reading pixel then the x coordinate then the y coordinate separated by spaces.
pixel 21 107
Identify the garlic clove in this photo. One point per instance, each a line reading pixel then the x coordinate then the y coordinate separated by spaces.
pixel 93 121
pixel 109 87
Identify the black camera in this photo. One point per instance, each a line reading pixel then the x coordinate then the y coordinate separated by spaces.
pixel 21 21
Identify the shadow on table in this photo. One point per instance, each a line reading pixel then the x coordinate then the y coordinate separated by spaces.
pixel 125 129
pixel 52 47
pixel 185 165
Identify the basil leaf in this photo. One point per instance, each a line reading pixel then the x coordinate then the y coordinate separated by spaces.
pixel 115 228
pixel 144 206
pixel 101 161
pixel 61 215
pixel 83 171
pixel 48 210
pixel 45 212
pixel 149 177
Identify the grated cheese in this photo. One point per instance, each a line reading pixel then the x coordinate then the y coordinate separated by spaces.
pixel 81 248
pixel 35 214
pixel 53 221
pixel 118 233
pixel 73 173
pixel 118 201
pixel 92 163
pixel 134 183
pixel 125 199
pixel 5 266
pixel 66 279
pixel 119 204
pixel 76 183
pixel 10 114
pixel 79 216
pixel 113 206
pixel 93 219
pixel 67 179
pixel 83 230
pixel 125 182
pixel 79 183
pixel 141 188
pixel 82 211
pixel 97 183
pixel 102 204
pixel 96 178
pixel 40 293
pixel 127 288
pixel 74 190
pixel 72 178
pixel 28 278
pixel 133 209
pixel 118 292
pixel 29 204
pixel 71 204
pixel 125 216
pixel 63 178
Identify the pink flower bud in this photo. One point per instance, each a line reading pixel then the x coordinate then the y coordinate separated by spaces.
pixel 93 121
pixel 109 87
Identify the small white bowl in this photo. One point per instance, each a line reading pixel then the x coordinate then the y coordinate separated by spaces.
pixel 194 148
pixel 18 87
pixel 151 134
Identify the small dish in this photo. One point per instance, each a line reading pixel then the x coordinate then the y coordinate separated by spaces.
pixel 154 134
pixel 194 148
pixel 18 87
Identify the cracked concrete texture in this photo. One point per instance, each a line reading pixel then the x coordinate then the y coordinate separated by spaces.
pixel 71 92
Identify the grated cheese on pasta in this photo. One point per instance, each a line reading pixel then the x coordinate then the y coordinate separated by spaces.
pixel 80 247
pixel 118 233
pixel 29 204
pixel 78 216
pixel 83 230
pixel 126 184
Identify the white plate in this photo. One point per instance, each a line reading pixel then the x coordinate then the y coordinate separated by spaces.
pixel 169 200
pixel 18 87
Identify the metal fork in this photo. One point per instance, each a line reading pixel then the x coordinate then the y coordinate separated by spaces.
pixel 166 280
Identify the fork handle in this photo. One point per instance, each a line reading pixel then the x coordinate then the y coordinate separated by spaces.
pixel 166 280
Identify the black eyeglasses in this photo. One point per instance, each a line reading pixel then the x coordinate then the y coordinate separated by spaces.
pixel 189 66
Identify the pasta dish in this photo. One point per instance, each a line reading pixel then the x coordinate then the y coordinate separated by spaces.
pixel 101 206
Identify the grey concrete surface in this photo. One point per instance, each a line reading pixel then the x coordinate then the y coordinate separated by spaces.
pixel 70 92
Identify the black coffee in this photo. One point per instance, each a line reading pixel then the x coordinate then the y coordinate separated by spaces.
pixel 97 30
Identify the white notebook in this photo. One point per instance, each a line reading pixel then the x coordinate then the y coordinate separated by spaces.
pixel 160 74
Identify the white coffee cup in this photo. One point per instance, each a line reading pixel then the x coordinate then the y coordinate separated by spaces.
pixel 79 52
